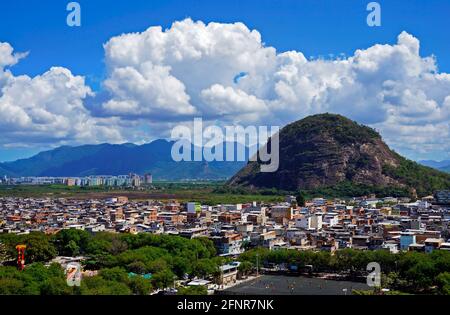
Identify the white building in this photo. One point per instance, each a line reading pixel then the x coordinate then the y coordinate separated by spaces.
pixel 331 219
pixel 310 222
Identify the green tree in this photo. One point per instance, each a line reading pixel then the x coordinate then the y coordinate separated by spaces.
pixel 39 248
pixel 393 280
pixel 97 285
pixel 421 275
pixel 204 267
pixel 300 197
pixel 11 286
pixel 245 268
pixel 137 267
pixel 4 255
pixel 140 286
pixel 116 274
pixel 157 265
pixel 9 241
pixel 193 290
pixel 98 246
pixel 55 286
pixel 443 283
pixel 118 246
pixel 163 279
pixel 71 242
pixel 208 245
pixel 72 249
pixel 35 279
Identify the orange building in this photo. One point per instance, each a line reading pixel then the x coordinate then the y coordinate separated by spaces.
pixel 229 217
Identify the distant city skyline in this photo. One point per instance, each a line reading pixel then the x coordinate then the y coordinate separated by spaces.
pixel 130 73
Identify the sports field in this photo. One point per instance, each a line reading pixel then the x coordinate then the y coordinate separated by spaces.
pixel 286 285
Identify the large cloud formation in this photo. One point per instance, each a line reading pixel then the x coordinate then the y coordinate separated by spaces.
pixel 390 87
pixel 225 74
pixel 48 108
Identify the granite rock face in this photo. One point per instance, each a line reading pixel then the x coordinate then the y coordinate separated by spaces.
pixel 326 150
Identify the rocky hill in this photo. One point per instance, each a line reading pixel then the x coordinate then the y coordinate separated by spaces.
pixel 329 152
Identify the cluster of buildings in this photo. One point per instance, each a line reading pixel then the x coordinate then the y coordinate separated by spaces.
pixel 328 225
pixel 130 180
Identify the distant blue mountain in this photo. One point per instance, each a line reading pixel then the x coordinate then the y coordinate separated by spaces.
pixel 439 165
pixel 113 159
pixel 445 169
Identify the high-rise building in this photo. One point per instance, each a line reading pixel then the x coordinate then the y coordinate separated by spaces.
pixel 148 179
pixel 71 182
pixel 135 180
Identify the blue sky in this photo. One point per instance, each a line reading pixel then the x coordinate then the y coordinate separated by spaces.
pixel 315 27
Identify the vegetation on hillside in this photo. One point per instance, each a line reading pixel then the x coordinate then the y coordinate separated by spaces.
pixel 343 129
pixel 347 189
pixel 424 180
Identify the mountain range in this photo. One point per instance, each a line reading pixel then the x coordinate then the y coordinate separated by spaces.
pixel 331 153
pixel 439 165
pixel 113 159
pixel 323 152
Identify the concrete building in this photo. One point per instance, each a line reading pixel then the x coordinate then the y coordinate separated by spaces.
pixel 406 239
pixel 278 213
pixel 310 222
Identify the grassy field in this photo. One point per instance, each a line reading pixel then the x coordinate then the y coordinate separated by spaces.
pixel 194 191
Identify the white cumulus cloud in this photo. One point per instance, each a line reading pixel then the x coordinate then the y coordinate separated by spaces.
pixel 188 70
pixel 48 108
